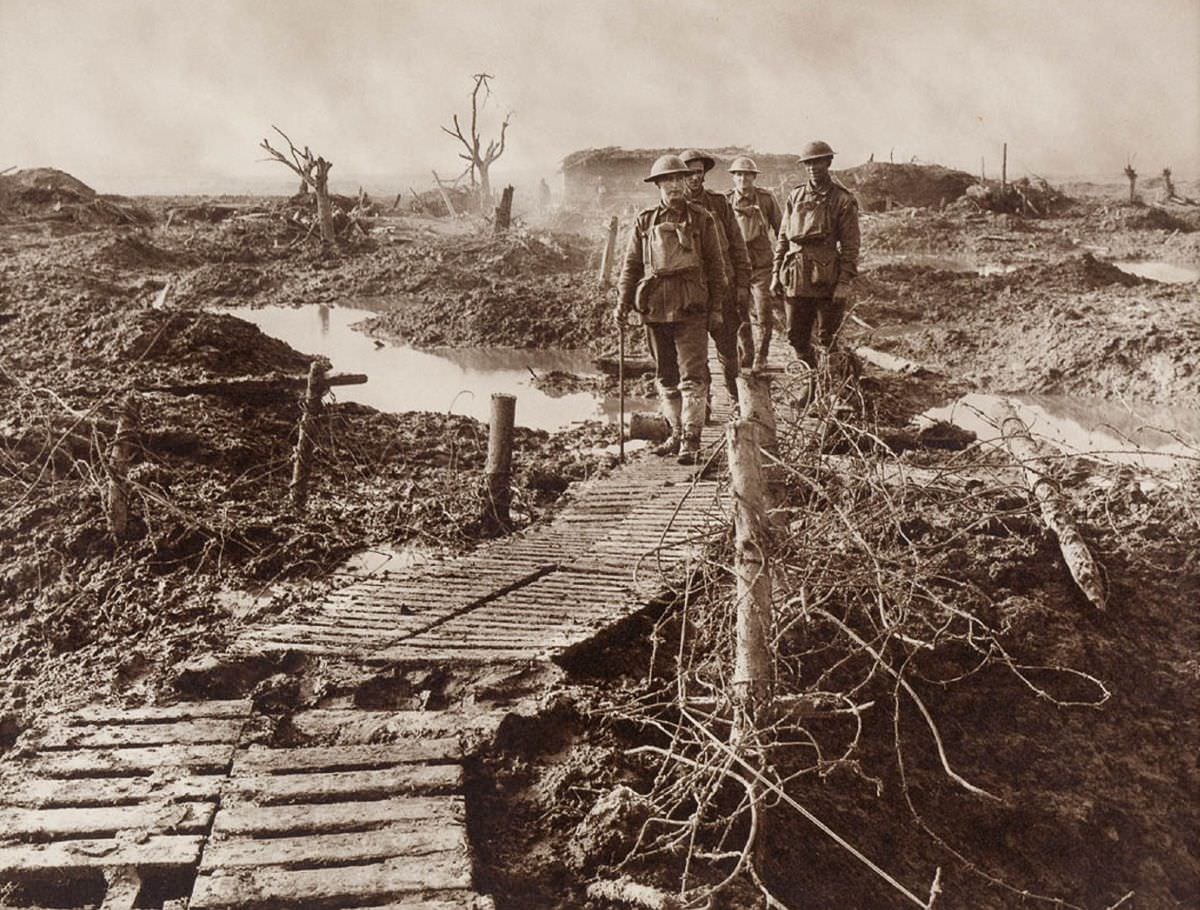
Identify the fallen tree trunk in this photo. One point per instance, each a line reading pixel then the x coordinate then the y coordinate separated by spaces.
pixel 1053 505
pixel 253 388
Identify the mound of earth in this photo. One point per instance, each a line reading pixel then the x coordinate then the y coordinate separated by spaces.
pixel 880 185
pixel 204 344
pixel 42 186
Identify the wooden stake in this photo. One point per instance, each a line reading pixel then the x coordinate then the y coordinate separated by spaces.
pixel 1004 169
pixel 504 211
pixel 754 403
pixel 1053 506
pixel 499 456
pixel 752 682
pixel 445 196
pixel 311 410
pixel 610 249
pixel 118 469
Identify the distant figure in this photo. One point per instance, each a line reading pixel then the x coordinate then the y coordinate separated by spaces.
pixel 758 218
pixel 543 199
pixel 816 255
pixel 601 192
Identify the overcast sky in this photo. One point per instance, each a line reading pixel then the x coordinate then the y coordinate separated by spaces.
pixel 158 95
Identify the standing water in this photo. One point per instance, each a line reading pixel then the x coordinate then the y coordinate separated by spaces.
pixel 1155 270
pixel 1149 436
pixel 457 381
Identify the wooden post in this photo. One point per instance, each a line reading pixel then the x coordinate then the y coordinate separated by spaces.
pixel 504 211
pixel 754 403
pixel 752 668
pixel 982 171
pixel 1004 170
pixel 610 249
pixel 118 469
pixel 310 411
pixel 499 456
pixel 445 196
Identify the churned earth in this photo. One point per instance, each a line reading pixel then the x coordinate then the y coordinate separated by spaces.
pixel 1080 724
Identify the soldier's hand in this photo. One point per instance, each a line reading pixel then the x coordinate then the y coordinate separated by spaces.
pixel 843 291
pixel 776 286
pixel 620 314
pixel 716 319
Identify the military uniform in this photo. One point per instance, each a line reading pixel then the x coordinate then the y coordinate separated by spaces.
pixel 737 271
pixel 673 276
pixel 758 216
pixel 816 249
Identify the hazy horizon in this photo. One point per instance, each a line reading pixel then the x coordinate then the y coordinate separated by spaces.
pixel 162 96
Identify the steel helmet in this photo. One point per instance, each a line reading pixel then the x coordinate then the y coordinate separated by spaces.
pixel 692 155
pixel 666 165
pixel 743 165
pixel 817 149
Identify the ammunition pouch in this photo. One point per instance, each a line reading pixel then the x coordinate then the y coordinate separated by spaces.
pixel 670 249
pixel 752 221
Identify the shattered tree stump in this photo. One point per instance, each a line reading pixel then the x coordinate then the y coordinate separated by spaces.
pixel 504 211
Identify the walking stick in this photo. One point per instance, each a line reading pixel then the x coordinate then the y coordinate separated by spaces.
pixel 621 389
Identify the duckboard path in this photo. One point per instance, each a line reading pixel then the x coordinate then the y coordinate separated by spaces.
pixel 191 804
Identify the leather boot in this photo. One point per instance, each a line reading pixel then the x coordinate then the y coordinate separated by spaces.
pixel 693 424
pixel 672 409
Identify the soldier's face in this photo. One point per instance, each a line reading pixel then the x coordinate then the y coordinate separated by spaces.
pixel 672 187
pixel 696 178
pixel 817 169
pixel 743 180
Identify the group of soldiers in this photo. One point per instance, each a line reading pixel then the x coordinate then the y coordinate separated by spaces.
pixel 702 265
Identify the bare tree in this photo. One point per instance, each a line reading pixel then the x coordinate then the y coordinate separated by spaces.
pixel 1132 176
pixel 313 171
pixel 479 159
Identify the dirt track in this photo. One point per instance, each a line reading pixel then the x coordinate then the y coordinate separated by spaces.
pixel 1092 805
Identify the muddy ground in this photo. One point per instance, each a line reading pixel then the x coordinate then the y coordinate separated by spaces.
pixel 1091 792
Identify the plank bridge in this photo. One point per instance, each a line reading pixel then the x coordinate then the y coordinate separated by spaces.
pixel 189 805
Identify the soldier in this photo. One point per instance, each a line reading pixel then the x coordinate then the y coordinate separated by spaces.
pixel 816 254
pixel 757 215
pixel 735 309
pixel 674 279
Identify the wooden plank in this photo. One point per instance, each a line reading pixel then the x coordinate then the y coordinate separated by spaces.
pixel 331 786
pixel 184 732
pixel 64 858
pixel 110 762
pixel 105 714
pixel 268 821
pixel 441 900
pixel 326 849
pixel 273 886
pixel 260 760
pixel 109 791
pixel 180 818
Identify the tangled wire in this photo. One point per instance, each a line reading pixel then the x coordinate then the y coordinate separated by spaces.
pixel 876 602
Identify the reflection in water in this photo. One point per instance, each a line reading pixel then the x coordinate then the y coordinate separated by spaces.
pixel 459 381
pixel 1160 271
pixel 1151 436
pixel 957 264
